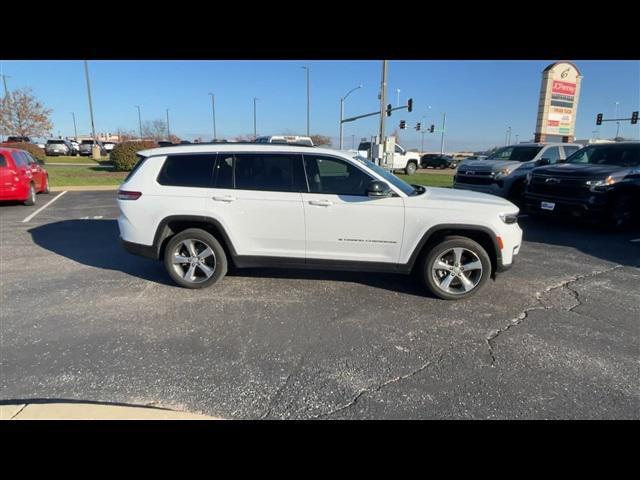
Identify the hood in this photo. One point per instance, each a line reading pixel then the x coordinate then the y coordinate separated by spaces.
pixel 579 170
pixel 491 165
pixel 451 196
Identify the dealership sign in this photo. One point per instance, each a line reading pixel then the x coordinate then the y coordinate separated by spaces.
pixel 558 103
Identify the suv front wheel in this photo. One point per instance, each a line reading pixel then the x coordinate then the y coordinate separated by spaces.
pixel 455 268
pixel 195 259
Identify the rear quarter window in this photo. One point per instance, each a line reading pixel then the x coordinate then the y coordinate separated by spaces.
pixel 187 170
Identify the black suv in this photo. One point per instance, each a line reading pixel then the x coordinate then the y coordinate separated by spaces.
pixel 598 182
pixel 437 161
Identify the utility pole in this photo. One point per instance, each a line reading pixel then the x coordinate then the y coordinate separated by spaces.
pixel 618 122
pixel 93 127
pixel 353 141
pixel 213 112
pixel 75 130
pixel 139 120
pixel 168 130
pixel 383 101
pixel 308 97
pixel 444 121
pixel 255 129
pixel 342 99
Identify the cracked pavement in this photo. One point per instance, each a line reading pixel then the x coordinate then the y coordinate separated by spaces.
pixel 557 336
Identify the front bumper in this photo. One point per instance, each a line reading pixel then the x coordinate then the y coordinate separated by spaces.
pixel 564 207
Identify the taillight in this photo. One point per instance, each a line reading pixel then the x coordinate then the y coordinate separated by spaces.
pixel 125 195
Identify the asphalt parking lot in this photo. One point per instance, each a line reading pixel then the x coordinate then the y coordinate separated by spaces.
pixel 557 336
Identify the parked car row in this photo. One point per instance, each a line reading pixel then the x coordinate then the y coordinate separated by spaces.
pixel 598 182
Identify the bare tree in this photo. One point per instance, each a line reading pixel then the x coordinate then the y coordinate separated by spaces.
pixel 21 113
pixel 321 140
pixel 126 135
pixel 155 129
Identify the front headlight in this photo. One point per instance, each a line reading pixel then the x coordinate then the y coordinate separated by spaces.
pixel 509 218
pixel 503 172
pixel 602 182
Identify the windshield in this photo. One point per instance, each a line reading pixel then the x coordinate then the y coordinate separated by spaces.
pixel 403 186
pixel 620 155
pixel 55 142
pixel 515 154
pixel 87 142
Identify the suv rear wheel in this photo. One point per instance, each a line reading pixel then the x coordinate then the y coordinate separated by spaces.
pixel 195 259
pixel 455 268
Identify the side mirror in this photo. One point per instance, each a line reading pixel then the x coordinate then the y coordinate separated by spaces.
pixel 543 161
pixel 378 189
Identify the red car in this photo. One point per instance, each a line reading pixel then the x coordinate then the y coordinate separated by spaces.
pixel 21 177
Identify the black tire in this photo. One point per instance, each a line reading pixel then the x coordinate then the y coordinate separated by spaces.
pixel 620 215
pixel 46 185
pixel 31 199
pixel 411 168
pixel 201 238
pixel 473 252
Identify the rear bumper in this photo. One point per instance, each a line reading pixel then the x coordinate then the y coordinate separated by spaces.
pixel 147 251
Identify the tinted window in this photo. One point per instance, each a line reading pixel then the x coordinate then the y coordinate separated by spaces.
pixel 620 155
pixel 223 173
pixel 20 159
pixel 270 172
pixel 516 154
pixel 3 161
pixel 570 150
pixel 553 154
pixel 55 142
pixel 187 171
pixel 331 175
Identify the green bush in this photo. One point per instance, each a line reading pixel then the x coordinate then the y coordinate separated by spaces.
pixel 124 155
pixel 35 151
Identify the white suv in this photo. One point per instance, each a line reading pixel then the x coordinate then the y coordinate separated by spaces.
pixel 200 207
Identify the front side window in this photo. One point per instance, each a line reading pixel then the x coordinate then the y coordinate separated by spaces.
pixel 274 172
pixel 223 173
pixel 334 176
pixel 187 170
pixel 552 154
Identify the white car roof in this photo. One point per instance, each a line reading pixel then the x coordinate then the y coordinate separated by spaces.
pixel 239 147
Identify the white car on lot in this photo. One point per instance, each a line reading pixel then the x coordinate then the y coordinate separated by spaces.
pixel 200 207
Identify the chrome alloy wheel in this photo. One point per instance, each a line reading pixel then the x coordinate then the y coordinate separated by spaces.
pixel 193 260
pixel 457 270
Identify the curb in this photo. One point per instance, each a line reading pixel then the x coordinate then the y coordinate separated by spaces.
pixel 92 411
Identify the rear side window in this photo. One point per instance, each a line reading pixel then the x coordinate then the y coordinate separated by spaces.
pixel 187 170
pixel 269 172
pixel 223 172
pixel 552 154
pixel 20 159
pixel 3 160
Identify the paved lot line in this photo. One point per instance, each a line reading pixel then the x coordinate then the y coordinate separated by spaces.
pixel 43 207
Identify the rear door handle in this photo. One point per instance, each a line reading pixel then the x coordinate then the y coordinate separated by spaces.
pixel 224 198
pixel 320 203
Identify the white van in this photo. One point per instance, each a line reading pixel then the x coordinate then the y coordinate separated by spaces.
pixel 287 140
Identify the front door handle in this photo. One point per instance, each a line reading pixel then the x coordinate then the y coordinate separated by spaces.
pixel 224 198
pixel 320 203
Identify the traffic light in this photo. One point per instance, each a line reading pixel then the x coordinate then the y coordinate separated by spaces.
pixel 634 117
pixel 389 107
pixel 403 124
pixel 410 104
pixel 599 119
pixel 418 126
pixel 432 128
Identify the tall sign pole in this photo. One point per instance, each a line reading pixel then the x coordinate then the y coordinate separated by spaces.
pixel 93 127
pixel 383 103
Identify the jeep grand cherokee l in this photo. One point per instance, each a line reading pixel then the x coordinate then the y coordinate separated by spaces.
pixel 599 182
pixel 200 207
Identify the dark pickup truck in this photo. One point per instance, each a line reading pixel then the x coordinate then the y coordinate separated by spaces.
pixel 599 183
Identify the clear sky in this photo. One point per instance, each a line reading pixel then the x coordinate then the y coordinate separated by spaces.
pixel 481 98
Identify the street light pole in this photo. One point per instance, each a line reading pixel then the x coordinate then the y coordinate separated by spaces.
pixel 93 128
pixel 444 120
pixel 342 99
pixel 353 141
pixel 75 130
pixel 255 129
pixel 139 120
pixel 617 123
pixel 383 101
pixel 168 130
pixel 509 137
pixel 213 112
pixel 398 97
pixel 308 102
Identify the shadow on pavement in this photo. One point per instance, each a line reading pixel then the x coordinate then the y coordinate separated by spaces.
pixel 96 243
pixel 588 239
